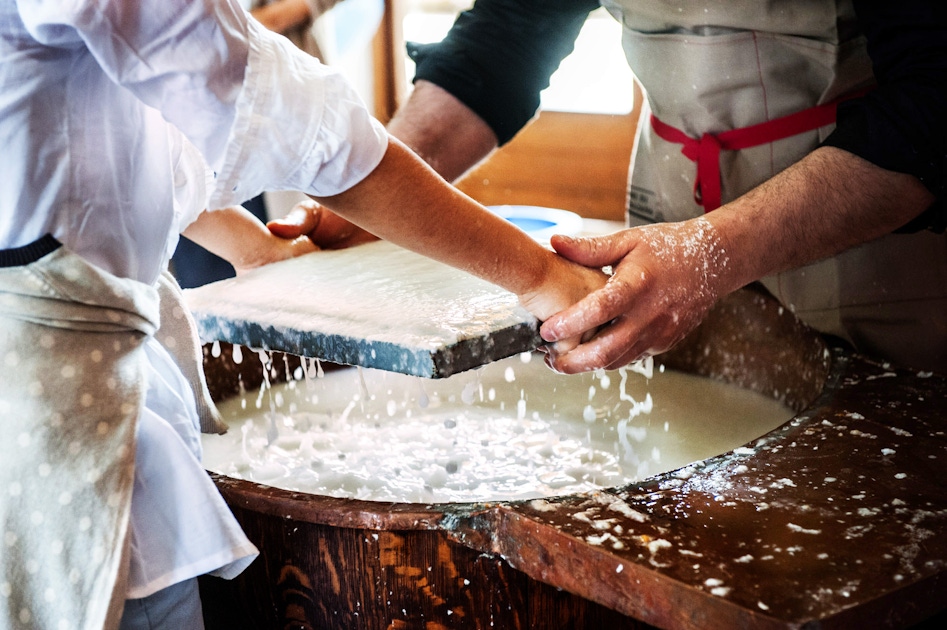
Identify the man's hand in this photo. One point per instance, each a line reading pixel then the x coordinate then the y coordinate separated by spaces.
pixel 663 284
pixel 667 276
pixel 323 227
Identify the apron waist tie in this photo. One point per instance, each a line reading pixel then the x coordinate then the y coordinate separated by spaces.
pixel 706 150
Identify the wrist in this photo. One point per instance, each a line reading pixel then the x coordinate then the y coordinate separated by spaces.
pixel 733 251
pixel 536 285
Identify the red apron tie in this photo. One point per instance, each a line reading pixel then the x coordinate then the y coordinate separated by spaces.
pixel 706 151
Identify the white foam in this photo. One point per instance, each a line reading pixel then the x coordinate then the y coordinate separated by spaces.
pixel 478 436
pixel 354 293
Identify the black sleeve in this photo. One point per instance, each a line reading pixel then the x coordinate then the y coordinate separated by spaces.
pixel 902 125
pixel 500 54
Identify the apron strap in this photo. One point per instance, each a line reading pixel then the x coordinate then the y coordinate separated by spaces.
pixel 706 150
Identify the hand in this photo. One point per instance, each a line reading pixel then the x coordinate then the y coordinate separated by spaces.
pixel 242 240
pixel 664 282
pixel 564 285
pixel 323 227
pixel 273 249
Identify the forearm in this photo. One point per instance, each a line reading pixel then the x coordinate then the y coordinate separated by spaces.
pixel 828 202
pixel 668 275
pixel 404 202
pixel 443 131
pixel 241 239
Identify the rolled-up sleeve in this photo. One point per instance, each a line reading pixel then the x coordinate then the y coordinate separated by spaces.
pixel 301 125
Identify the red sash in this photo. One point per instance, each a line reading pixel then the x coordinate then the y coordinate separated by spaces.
pixel 706 151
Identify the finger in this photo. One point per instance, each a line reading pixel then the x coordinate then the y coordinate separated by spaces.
pixel 336 232
pixel 594 310
pixel 606 352
pixel 566 345
pixel 597 251
pixel 563 346
pixel 301 220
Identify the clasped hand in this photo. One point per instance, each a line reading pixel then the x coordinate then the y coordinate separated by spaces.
pixel 662 285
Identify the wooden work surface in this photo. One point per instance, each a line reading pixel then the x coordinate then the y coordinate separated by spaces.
pixel 837 519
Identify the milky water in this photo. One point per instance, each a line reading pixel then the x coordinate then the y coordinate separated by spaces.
pixel 510 430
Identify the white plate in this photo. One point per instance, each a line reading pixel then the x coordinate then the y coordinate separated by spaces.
pixel 541 223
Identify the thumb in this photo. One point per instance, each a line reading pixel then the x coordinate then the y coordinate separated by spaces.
pixel 302 245
pixel 596 251
pixel 301 220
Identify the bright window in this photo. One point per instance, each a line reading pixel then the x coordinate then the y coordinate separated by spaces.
pixel 594 79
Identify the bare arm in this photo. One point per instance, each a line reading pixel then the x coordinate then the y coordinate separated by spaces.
pixel 444 132
pixel 404 201
pixel 828 202
pixel 668 275
pixel 241 239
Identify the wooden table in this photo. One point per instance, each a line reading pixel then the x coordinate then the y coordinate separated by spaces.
pixel 837 519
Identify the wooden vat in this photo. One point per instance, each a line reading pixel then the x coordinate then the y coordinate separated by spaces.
pixel 836 519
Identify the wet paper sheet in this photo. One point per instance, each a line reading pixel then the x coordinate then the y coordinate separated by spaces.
pixel 375 305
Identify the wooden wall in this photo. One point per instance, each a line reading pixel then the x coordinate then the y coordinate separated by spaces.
pixel 576 162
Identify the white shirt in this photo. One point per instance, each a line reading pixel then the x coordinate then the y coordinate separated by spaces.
pixel 119 122
pixel 86 88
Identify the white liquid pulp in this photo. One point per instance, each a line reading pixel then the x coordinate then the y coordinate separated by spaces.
pixel 509 430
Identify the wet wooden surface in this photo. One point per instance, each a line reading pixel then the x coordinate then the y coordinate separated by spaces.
pixel 316 576
pixel 838 519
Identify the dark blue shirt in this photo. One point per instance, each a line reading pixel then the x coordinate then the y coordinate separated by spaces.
pixel 500 54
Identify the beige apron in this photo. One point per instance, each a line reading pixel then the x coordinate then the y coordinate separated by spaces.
pixel 69 403
pixel 758 61
pixel 71 391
